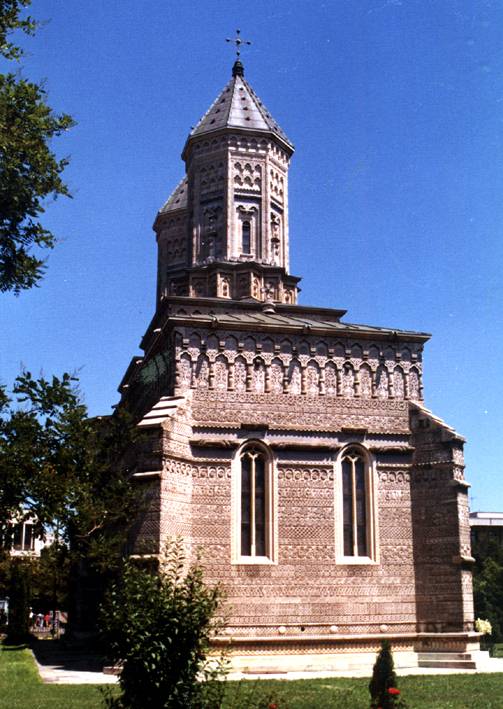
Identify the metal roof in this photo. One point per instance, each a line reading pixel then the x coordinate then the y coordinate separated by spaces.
pixel 274 320
pixel 238 106
pixel 177 199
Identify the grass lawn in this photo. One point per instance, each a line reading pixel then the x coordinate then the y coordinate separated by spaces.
pixel 21 688
pixel 421 692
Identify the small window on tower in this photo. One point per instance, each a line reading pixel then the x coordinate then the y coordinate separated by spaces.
pixel 246 235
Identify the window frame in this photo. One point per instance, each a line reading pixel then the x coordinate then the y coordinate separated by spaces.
pixel 246 251
pixel 371 522
pixel 271 506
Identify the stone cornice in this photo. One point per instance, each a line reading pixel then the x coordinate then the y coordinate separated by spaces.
pixel 233 130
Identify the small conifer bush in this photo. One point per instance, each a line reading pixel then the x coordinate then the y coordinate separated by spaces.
pixel 383 685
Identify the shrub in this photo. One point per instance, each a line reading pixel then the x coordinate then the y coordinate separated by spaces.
pixel 158 624
pixel 483 626
pixel 383 685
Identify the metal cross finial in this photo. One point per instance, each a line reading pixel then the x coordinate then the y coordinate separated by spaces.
pixel 238 42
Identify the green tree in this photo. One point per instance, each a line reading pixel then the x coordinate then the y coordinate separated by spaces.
pixel 10 21
pixel 50 574
pixel 59 466
pixel 158 624
pixel 66 471
pixel 19 599
pixel 29 171
pixel 488 583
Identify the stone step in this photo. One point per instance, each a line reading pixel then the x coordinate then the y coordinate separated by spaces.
pixel 447 660
pixel 449 656
pixel 448 664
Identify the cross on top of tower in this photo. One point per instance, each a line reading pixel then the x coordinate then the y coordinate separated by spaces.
pixel 238 68
pixel 238 42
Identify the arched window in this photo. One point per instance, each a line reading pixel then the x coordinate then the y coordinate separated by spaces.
pixel 246 237
pixel 254 506
pixel 354 504
pixel 357 528
pixel 253 503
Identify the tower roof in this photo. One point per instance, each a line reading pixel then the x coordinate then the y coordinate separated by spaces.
pixel 238 106
pixel 177 199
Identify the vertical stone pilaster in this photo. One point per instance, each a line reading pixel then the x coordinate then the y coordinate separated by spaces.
pixel 249 376
pixel 303 386
pixel 339 381
pixel 231 376
pixel 322 381
pixel 267 381
pixel 357 383
pixel 406 385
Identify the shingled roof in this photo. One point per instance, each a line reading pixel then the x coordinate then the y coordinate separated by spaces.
pixel 238 106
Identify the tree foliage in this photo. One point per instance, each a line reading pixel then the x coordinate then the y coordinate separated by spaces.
pixel 488 584
pixel 158 623
pixel 50 574
pixel 19 581
pixel 29 171
pixel 10 21
pixel 63 469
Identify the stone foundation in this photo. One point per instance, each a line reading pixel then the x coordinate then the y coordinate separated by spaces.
pixel 317 653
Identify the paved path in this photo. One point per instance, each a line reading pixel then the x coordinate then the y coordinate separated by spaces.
pixel 66 665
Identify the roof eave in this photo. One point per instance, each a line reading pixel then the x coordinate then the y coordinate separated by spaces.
pixel 214 322
pixel 288 147
pixel 168 212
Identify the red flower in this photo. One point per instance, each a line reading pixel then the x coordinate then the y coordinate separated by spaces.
pixel 393 690
pixel 272 706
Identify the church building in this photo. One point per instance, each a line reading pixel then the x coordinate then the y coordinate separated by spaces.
pixel 292 447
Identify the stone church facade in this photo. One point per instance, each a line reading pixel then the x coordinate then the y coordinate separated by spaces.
pixel 292 447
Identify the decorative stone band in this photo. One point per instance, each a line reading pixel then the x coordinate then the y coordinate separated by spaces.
pixel 298 642
pixel 263 374
pixel 214 409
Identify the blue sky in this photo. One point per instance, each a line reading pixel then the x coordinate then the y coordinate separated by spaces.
pixel 396 188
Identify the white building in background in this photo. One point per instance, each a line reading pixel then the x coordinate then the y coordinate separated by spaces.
pixel 25 542
pixel 485 526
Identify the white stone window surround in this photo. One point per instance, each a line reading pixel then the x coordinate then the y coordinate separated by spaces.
pixel 271 485
pixel 248 212
pixel 370 508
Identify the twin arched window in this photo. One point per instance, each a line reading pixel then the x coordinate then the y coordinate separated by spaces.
pixel 254 498
pixel 254 507
pixel 357 531
pixel 354 504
